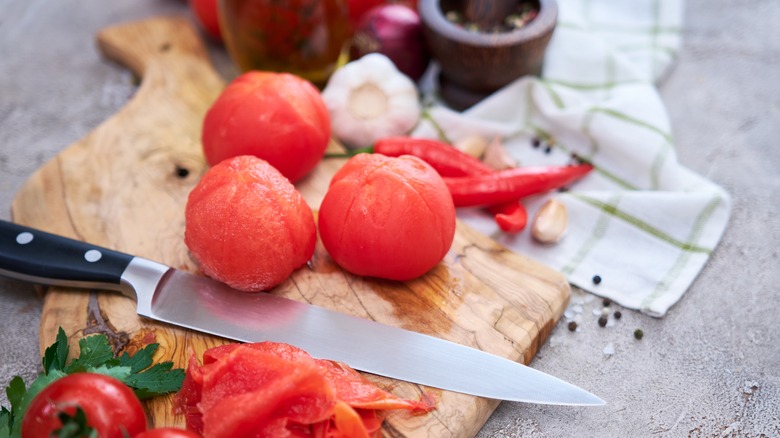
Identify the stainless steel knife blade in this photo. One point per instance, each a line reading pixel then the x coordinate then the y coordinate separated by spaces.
pixel 202 304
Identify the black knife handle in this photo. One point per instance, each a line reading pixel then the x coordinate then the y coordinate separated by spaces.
pixel 40 257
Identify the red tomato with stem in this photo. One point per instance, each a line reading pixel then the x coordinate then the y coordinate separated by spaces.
pixel 385 217
pixel 206 15
pixel 111 407
pixel 278 117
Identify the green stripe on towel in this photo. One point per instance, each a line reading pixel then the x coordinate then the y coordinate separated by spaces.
pixel 682 260
pixel 640 224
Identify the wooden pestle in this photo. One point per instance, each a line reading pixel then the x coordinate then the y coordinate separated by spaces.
pixel 488 13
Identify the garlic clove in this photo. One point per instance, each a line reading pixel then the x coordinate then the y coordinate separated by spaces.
pixel 497 157
pixel 473 145
pixel 551 222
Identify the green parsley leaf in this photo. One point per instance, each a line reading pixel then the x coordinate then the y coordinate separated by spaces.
pixel 158 380
pixel 56 354
pixel 5 419
pixel 93 351
pixel 15 392
pixel 140 360
pixel 119 373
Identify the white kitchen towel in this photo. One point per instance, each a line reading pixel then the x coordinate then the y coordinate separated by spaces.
pixel 640 221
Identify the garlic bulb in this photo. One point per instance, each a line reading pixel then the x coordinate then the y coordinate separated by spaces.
pixel 369 99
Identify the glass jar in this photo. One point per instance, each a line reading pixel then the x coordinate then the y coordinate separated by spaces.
pixel 309 38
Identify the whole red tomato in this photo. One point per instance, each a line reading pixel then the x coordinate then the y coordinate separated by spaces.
pixel 278 117
pixel 205 12
pixel 386 217
pixel 111 407
pixel 167 432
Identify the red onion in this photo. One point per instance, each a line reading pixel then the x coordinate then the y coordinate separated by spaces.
pixel 393 30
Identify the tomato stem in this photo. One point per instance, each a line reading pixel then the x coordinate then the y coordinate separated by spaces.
pixel 350 153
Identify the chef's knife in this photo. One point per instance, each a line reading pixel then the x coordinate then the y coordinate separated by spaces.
pixel 202 304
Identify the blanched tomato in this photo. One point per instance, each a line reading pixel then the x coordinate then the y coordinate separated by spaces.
pixel 278 117
pixel 266 229
pixel 385 217
pixel 111 407
pixel 167 432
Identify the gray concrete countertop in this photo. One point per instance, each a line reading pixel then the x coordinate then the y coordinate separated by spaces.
pixel 710 368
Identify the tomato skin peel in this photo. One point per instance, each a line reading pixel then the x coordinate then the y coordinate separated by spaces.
pixel 272 389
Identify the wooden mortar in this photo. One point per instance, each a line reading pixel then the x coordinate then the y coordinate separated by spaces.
pixel 475 64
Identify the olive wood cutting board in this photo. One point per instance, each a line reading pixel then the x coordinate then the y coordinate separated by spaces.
pixel 125 184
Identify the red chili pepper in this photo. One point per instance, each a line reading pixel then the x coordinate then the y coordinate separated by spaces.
pixel 448 161
pixel 511 184
pixel 511 217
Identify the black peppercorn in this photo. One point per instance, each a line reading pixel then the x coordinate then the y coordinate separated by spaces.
pixel 603 321
pixel 548 149
pixel 572 326
pixel 618 314
pixel 638 334
pixel 182 172
pixel 535 142
pixel 596 279
pixel 607 302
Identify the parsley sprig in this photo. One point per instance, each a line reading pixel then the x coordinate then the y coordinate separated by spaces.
pixel 137 371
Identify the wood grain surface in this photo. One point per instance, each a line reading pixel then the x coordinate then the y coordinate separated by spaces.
pixel 125 184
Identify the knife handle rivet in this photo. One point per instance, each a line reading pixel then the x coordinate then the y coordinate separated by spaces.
pixel 24 238
pixel 92 255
